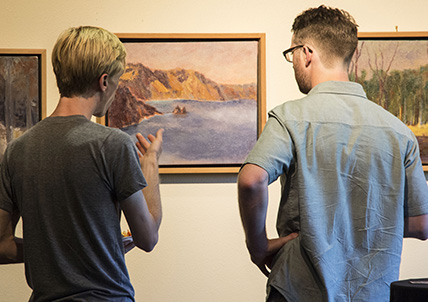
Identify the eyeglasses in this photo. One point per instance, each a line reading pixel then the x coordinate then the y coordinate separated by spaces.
pixel 288 54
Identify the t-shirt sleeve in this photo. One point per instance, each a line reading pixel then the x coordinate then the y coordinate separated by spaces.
pixel 125 172
pixel 416 200
pixel 274 149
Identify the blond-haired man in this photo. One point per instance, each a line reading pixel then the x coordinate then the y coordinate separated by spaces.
pixel 351 176
pixel 69 178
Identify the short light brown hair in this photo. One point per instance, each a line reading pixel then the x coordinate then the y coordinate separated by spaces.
pixel 332 30
pixel 82 55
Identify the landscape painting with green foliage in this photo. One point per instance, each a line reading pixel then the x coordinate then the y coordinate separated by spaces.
pixel 394 74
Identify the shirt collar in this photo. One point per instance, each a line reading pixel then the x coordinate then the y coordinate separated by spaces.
pixel 339 87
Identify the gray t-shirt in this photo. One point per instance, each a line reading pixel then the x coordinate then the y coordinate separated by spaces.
pixel 350 172
pixel 67 176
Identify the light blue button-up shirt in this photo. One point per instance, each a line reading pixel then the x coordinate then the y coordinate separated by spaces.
pixel 350 172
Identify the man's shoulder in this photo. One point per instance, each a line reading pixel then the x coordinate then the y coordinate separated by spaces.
pixel 290 108
pixel 101 129
pixel 110 136
pixel 76 129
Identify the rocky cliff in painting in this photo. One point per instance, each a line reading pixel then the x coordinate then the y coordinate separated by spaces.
pixel 181 84
pixel 127 109
pixel 139 84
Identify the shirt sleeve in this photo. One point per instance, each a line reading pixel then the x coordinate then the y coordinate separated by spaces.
pixel 125 172
pixel 274 149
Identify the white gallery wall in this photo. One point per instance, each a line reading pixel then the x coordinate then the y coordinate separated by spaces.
pixel 201 255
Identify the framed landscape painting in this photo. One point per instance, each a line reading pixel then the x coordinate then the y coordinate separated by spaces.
pixel 22 92
pixel 207 91
pixel 393 69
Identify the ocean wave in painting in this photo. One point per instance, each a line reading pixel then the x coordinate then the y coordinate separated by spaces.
pixel 210 132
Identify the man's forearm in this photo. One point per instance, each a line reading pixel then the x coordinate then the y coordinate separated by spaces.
pixel 11 250
pixel 253 221
pixel 416 227
pixel 151 193
pixel 11 247
pixel 253 201
pixel 150 166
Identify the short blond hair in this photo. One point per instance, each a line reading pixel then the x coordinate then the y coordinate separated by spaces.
pixel 81 55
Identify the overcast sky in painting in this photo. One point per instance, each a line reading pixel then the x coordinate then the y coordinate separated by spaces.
pixel 228 62
pixel 410 55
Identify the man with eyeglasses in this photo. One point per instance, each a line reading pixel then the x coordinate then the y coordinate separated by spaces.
pixel 351 176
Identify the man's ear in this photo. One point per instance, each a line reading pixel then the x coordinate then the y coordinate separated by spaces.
pixel 103 83
pixel 308 55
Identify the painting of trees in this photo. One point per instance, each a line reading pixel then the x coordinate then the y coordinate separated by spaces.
pixel 393 69
pixel 22 92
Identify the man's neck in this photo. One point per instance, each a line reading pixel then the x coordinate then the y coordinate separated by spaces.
pixel 329 75
pixel 75 106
